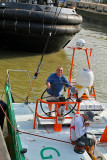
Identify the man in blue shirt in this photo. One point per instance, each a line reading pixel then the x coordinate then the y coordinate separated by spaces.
pixel 54 78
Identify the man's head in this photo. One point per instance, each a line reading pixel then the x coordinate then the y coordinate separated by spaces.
pixel 88 115
pixel 59 71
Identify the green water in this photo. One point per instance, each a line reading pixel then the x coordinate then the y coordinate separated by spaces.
pixel 95 37
pixel 30 63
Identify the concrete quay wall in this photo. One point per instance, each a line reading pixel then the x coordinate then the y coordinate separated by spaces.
pixel 94 7
pixel 91 11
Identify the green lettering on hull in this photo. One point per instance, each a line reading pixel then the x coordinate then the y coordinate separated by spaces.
pixel 50 156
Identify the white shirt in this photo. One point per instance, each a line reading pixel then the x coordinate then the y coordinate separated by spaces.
pixel 77 128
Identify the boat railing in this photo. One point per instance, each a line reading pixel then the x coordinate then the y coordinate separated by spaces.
pixel 28 79
pixel 57 125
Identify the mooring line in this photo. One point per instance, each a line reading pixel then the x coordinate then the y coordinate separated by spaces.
pixel 28 132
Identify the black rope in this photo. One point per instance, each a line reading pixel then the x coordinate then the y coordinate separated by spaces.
pixel 38 69
pixel 50 33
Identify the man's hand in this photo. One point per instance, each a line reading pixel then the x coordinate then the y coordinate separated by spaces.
pixel 86 123
pixel 48 85
pixel 73 89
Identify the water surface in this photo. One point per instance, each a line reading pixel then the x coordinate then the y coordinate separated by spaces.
pixel 95 37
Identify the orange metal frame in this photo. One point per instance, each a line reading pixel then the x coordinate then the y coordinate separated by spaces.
pixel 87 56
pixel 103 138
pixel 57 127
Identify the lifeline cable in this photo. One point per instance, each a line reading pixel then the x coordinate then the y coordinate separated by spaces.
pixel 28 132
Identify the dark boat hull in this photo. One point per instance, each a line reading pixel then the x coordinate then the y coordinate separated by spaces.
pixel 35 44
pixel 37 28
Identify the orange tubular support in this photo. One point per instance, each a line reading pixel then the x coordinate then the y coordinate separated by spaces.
pixel 78 108
pixel 72 66
pixel 104 136
pixel 35 114
pixel 91 51
pixel 94 92
pixel 71 72
pixel 87 56
pixel 57 127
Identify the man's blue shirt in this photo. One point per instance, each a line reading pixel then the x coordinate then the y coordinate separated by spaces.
pixel 53 79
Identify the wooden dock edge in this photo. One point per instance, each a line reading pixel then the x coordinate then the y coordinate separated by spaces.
pixel 4 155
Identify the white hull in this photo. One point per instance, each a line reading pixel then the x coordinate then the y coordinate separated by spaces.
pixel 39 147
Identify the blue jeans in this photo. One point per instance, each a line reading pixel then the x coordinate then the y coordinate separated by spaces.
pixel 87 141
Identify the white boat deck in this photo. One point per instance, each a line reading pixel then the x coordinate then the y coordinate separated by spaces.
pixel 39 147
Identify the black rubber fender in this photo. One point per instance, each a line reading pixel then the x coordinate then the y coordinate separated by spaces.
pixel 40 17
pixel 38 28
